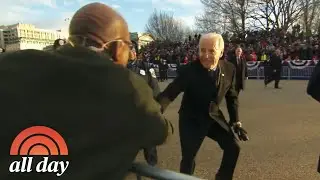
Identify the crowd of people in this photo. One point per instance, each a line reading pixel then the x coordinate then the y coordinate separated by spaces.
pixel 256 46
pixel 172 52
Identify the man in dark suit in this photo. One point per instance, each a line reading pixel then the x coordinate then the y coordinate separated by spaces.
pixel 105 112
pixel 313 88
pixel 163 70
pixel 205 83
pixel 241 69
pixel 274 71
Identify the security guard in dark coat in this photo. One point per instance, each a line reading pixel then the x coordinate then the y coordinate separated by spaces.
pixel 313 88
pixel 104 112
pixel 163 70
pixel 205 83
pixel 274 70
pixel 148 74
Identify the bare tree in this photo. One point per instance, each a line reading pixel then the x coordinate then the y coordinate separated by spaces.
pixel 238 16
pixel 225 15
pixel 211 20
pixel 316 25
pixel 188 32
pixel 310 9
pixel 163 26
pixel 281 14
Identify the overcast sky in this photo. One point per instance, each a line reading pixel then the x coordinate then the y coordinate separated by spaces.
pixel 51 14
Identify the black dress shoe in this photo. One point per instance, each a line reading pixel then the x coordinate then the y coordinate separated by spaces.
pixel 277 87
pixel 218 177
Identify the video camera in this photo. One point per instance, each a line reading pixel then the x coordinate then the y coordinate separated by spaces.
pixel 59 42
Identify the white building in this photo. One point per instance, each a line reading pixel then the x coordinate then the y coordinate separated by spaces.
pixel 27 36
pixel 144 39
pixel 141 39
pixel 1 39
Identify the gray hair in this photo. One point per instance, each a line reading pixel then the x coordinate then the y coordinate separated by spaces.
pixel 214 37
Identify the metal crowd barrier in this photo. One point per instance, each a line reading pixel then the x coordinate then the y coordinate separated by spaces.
pixel 143 170
pixel 287 73
pixel 258 73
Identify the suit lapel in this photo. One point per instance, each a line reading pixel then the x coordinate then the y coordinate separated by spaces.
pixel 214 111
pixel 243 62
pixel 235 62
pixel 220 81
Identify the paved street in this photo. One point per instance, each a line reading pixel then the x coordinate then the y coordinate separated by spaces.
pixel 284 127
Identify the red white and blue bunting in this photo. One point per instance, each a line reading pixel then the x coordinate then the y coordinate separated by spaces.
pixel 252 65
pixel 299 64
pixel 294 64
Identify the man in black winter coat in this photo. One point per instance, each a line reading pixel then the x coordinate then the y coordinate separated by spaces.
pixel 274 73
pixel 148 74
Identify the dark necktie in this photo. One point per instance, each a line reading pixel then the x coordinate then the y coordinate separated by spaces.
pixel 212 74
pixel 239 63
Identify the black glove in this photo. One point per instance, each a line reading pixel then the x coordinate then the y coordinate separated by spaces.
pixel 240 132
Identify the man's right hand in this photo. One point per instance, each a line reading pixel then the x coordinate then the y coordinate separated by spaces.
pixel 240 132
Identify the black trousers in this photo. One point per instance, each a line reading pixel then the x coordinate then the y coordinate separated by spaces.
pixel 166 74
pixel 162 75
pixel 238 91
pixel 192 133
pixel 273 76
pixel 239 87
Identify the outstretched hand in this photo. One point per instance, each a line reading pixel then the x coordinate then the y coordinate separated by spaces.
pixel 240 132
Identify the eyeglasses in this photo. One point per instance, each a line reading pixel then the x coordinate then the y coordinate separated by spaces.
pixel 84 41
pixel 128 43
